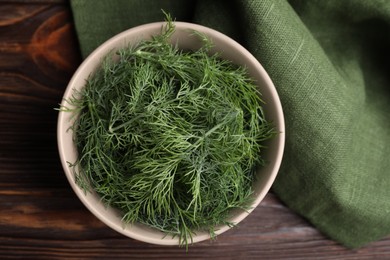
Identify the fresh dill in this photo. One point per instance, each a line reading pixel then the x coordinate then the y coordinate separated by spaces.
pixel 171 138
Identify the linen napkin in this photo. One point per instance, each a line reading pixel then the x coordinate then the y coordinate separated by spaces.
pixel 330 63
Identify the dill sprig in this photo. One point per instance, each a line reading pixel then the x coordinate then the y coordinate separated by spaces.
pixel 172 138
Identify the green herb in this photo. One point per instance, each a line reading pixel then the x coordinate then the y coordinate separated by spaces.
pixel 171 138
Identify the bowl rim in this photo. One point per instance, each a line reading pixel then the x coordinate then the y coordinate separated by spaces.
pixel 101 51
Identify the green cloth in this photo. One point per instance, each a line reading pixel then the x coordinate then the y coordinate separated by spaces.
pixel 330 63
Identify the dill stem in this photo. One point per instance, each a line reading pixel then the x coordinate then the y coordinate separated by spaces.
pixel 112 129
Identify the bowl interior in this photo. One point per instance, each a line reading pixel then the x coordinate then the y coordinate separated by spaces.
pixel 185 39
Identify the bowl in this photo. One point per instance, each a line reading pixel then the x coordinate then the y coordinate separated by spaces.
pixel 184 37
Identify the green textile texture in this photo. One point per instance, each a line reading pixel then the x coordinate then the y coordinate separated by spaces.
pixel 330 63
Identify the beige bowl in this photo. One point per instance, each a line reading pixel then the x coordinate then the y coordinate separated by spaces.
pixel 229 49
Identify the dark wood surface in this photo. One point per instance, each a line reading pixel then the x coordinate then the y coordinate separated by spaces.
pixel 40 217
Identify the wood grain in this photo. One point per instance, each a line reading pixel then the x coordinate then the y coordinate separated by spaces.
pixel 40 216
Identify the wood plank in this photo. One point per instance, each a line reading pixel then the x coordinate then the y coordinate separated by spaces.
pixel 34 2
pixel 76 234
pixel 38 54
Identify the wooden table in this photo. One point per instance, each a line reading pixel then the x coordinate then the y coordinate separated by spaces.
pixel 40 216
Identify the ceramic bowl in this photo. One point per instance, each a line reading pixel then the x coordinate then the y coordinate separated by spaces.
pixel 229 49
